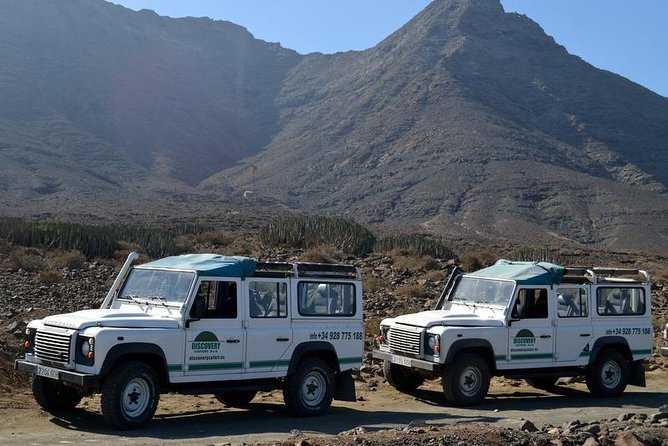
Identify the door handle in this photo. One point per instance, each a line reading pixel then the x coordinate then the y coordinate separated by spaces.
pixel 585 335
pixel 282 339
pixel 545 336
pixel 233 341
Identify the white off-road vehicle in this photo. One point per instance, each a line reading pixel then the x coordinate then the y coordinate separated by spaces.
pixel 204 323
pixel 534 321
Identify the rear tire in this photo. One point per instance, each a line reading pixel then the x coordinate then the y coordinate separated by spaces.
pixel 401 378
pixel 608 375
pixel 236 399
pixel 466 380
pixel 130 395
pixel 53 395
pixel 310 390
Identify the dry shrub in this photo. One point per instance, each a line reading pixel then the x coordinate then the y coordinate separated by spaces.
pixel 371 284
pixel 5 247
pixel 214 238
pixel 433 276
pixel 67 259
pixel 27 259
pixel 49 277
pixel 417 291
pixel 322 254
pixel 413 262
pixel 476 260
pixel 123 249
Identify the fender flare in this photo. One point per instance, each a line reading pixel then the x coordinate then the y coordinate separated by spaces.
pixel 314 348
pixel 465 344
pixel 606 341
pixel 134 349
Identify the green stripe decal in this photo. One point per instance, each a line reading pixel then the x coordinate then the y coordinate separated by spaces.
pixel 500 357
pixel 532 356
pixel 585 354
pixel 353 360
pixel 216 366
pixel 641 352
pixel 174 367
pixel 258 364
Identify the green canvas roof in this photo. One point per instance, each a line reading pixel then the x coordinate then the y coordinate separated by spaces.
pixel 523 273
pixel 208 264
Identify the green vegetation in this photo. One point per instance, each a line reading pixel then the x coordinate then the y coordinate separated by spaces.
pixel 345 236
pixel 309 232
pixel 419 243
pixel 93 241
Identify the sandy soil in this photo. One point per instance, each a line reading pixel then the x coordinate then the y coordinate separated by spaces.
pixel 202 420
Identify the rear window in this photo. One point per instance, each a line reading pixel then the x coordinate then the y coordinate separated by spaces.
pixel 616 301
pixel 326 299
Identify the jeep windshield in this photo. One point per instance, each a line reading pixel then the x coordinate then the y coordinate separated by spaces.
pixel 158 287
pixel 473 290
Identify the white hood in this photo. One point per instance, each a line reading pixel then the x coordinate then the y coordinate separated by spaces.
pixel 457 316
pixel 110 318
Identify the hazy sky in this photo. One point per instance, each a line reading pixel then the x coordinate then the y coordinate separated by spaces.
pixel 627 37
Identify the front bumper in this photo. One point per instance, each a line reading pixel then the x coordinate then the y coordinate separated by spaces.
pixel 406 361
pixel 80 379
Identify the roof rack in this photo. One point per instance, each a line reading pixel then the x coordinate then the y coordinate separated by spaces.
pixel 301 269
pixel 579 274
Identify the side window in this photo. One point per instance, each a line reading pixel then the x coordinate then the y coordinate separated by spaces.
pixel 268 299
pixel 620 301
pixel 572 302
pixel 530 304
pixel 326 299
pixel 215 299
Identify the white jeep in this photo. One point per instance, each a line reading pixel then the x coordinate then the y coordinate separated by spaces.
pixel 204 323
pixel 525 320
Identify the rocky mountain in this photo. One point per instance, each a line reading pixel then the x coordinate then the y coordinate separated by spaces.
pixel 466 122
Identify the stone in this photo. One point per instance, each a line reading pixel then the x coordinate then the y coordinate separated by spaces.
pixel 528 426
pixel 627 439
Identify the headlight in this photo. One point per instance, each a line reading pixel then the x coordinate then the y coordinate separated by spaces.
pixel 433 345
pixel 87 347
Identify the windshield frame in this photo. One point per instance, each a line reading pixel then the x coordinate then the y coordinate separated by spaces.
pixel 183 279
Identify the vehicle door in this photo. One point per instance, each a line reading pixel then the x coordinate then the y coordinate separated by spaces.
pixel 531 333
pixel 215 336
pixel 269 332
pixel 573 324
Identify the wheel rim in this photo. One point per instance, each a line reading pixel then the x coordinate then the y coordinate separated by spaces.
pixel 313 388
pixel 611 374
pixel 135 397
pixel 470 381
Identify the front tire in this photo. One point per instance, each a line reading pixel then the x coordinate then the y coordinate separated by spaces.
pixel 608 375
pixel 53 395
pixel 466 380
pixel 130 395
pixel 401 378
pixel 236 399
pixel 310 390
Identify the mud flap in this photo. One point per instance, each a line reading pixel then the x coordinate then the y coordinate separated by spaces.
pixel 344 387
pixel 637 373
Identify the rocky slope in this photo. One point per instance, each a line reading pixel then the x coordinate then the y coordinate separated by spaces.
pixel 466 122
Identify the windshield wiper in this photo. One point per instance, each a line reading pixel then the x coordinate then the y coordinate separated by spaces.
pixel 132 297
pixel 161 299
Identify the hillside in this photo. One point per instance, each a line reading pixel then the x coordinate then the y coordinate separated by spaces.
pixel 470 119
pixel 466 122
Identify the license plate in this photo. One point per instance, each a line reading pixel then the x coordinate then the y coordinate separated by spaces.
pixel 47 372
pixel 401 360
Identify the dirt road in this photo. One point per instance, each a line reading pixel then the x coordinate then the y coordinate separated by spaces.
pixel 202 420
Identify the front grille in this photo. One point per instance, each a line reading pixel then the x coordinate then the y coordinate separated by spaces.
pixel 53 346
pixel 404 341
